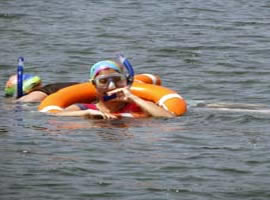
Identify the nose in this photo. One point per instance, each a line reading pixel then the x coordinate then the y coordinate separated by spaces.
pixel 111 85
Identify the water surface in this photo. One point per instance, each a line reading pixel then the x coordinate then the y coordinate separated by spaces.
pixel 210 52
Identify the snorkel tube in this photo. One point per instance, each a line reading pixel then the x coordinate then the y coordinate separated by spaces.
pixel 128 66
pixel 20 77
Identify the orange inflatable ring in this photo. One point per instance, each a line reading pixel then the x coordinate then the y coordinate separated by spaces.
pixel 86 93
pixel 148 78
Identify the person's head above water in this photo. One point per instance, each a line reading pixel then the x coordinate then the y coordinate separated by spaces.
pixel 30 82
pixel 103 65
pixel 108 75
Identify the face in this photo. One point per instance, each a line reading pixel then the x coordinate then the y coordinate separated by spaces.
pixel 108 80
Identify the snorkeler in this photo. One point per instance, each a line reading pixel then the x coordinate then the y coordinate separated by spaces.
pixel 33 91
pixel 113 96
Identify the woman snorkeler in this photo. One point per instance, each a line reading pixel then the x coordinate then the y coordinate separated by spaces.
pixel 114 98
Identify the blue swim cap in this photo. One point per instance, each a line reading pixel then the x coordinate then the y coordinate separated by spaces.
pixel 105 64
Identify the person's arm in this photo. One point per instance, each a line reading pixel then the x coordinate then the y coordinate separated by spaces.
pixel 89 113
pixel 73 107
pixel 35 96
pixel 149 107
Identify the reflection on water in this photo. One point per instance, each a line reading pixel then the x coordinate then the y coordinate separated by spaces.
pixel 231 107
pixel 108 129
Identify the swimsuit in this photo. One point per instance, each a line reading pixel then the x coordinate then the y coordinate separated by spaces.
pixel 54 87
pixel 129 108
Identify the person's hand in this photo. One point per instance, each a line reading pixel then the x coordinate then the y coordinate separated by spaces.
pixel 99 115
pixel 123 94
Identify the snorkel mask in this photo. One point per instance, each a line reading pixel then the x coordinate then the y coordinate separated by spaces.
pixel 110 81
pixel 118 67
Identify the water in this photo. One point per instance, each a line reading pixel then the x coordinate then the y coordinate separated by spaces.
pixel 212 53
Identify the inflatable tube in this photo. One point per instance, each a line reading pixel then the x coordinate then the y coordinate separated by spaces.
pixel 83 93
pixel 148 78
pixel 86 93
pixel 79 93
pixel 162 96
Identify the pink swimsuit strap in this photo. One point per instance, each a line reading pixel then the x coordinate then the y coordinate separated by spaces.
pixel 131 107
